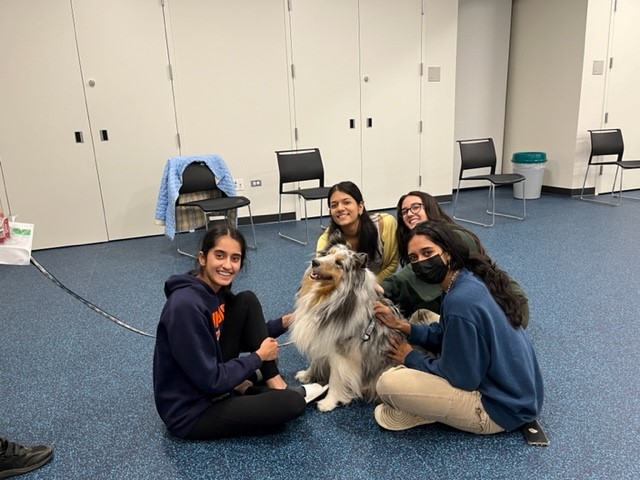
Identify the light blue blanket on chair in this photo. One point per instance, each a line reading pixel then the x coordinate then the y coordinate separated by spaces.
pixel 172 181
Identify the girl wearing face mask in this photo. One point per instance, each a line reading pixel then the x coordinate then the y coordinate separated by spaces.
pixel 483 376
pixel 203 387
pixel 402 287
pixel 374 235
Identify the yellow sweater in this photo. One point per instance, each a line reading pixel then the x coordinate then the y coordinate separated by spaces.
pixel 388 225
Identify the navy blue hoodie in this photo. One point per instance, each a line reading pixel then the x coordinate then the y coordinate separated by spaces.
pixel 188 370
pixel 478 349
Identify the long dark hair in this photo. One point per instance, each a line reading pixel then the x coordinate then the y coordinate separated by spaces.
pixel 496 279
pixel 217 231
pixel 367 230
pixel 434 213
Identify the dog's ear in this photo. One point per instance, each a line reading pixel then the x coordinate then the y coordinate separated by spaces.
pixel 336 238
pixel 362 259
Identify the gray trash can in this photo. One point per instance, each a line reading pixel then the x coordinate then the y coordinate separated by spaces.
pixel 531 166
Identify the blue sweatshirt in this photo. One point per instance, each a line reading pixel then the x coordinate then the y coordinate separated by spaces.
pixel 478 349
pixel 188 371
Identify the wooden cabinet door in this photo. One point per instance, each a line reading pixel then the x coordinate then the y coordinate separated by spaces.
pixel 51 180
pixel 125 68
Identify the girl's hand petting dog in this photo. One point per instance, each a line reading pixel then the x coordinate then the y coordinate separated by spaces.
pixel 385 314
pixel 399 348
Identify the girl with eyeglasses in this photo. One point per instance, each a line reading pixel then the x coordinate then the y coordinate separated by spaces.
pixel 403 288
pixel 374 234
pixel 482 375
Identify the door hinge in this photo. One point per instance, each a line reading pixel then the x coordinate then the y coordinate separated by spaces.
pixel 419 181
pixel 293 71
pixel 290 5
pixel 178 140
pixel 610 63
pixel 295 134
pixel 422 69
pixel 420 126
pixel 170 68
pixel 606 117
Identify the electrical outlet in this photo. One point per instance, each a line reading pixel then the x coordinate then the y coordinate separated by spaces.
pixel 256 183
pixel 239 183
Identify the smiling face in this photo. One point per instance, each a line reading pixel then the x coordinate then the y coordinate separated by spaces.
pixel 221 264
pixel 344 210
pixel 412 211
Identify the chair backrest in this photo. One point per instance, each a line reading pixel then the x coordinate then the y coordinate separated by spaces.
pixel 300 166
pixel 606 142
pixel 196 178
pixel 477 153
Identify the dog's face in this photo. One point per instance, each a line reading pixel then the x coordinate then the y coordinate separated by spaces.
pixel 330 266
pixel 330 269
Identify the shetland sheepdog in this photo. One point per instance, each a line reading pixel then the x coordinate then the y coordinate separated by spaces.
pixel 334 328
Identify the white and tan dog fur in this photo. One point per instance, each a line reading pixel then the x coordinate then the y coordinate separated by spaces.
pixel 332 326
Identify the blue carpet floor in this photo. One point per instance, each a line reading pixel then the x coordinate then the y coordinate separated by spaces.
pixel 72 378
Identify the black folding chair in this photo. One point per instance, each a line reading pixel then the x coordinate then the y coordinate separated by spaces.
pixel 301 166
pixel 606 142
pixel 197 177
pixel 481 153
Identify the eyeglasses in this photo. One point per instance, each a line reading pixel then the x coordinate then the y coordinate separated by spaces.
pixel 414 208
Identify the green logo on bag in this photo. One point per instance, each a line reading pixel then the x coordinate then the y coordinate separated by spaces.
pixel 20 231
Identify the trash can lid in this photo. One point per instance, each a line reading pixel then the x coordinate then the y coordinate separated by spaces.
pixel 529 157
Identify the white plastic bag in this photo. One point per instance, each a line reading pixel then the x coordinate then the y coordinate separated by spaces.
pixel 16 250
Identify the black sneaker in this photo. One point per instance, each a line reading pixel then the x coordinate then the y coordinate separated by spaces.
pixel 16 459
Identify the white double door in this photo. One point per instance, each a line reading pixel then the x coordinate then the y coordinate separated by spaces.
pixel 87 119
pixel 623 102
pixel 356 91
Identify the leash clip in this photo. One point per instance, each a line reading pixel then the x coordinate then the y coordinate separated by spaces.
pixel 367 333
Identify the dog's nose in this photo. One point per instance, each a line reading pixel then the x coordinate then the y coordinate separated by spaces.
pixel 315 263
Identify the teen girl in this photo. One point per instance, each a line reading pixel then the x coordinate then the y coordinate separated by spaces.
pixel 201 383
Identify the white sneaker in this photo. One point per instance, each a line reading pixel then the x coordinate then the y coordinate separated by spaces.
pixel 390 418
pixel 313 391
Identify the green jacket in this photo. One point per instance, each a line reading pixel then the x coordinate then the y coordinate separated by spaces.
pixel 410 293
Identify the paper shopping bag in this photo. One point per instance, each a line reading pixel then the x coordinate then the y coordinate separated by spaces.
pixel 16 250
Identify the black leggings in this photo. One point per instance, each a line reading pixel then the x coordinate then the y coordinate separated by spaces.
pixel 265 410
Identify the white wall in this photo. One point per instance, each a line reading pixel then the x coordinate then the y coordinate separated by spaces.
pixel 544 85
pixel 482 60
pixel 438 102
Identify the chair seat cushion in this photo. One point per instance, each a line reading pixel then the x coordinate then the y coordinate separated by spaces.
pixel 219 204
pixel 629 163
pixel 315 193
pixel 499 179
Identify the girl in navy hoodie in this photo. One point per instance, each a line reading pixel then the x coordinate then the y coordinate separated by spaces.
pixel 482 375
pixel 202 385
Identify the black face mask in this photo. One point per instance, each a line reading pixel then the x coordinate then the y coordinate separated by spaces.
pixel 432 270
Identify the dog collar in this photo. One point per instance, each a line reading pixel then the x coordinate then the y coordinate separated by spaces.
pixel 367 333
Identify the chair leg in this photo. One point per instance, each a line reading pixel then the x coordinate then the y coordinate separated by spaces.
pixel 182 252
pixel 593 198
pixel 491 199
pixel 507 215
pixel 253 230
pixel 187 254
pixel 306 219
pixel 620 195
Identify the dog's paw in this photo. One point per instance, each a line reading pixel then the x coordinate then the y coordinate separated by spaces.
pixel 327 404
pixel 303 376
